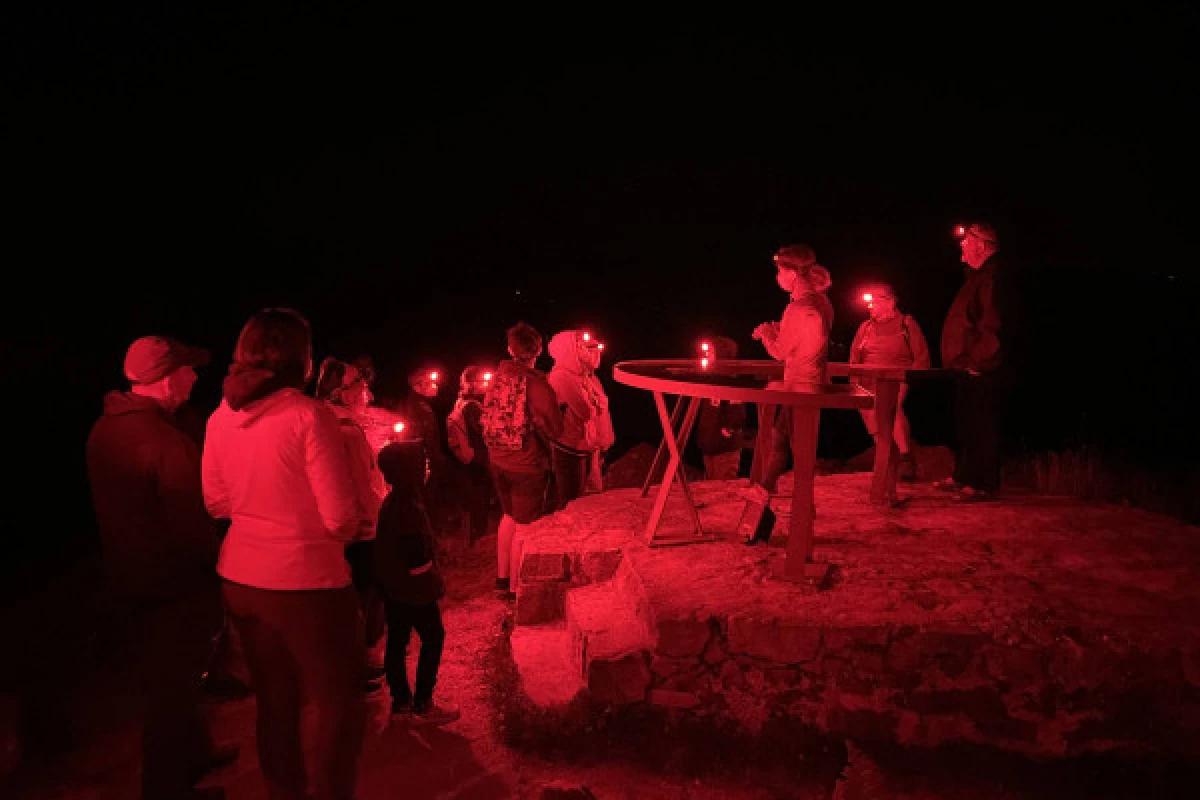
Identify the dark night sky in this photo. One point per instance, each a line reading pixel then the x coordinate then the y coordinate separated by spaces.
pixel 400 178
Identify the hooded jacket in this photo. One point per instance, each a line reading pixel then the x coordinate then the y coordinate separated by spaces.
pixel 275 464
pixel 545 421
pixel 587 424
pixel 159 544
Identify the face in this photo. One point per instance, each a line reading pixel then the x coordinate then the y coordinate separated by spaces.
pixel 590 356
pixel 974 250
pixel 426 388
pixel 355 391
pixel 179 387
pixel 883 305
pixel 786 278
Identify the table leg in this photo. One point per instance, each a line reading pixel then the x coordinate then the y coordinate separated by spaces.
pixel 685 431
pixel 674 464
pixel 883 481
pixel 676 414
pixel 805 424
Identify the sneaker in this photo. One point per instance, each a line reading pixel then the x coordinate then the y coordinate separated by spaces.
pixel 435 715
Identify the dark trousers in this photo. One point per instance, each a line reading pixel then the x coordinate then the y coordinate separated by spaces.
pixel 477 485
pixel 570 477
pixel 402 620
pixel 773 449
pixel 305 653
pixel 178 638
pixel 977 424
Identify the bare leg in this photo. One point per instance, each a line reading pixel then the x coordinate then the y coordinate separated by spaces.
pixel 504 542
pixel 518 550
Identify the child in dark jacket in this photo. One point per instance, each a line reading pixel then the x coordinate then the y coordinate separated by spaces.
pixel 411 585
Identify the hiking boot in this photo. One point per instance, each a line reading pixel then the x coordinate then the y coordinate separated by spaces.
pixel 434 715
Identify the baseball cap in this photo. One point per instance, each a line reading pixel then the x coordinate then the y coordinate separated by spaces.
pixel 152 358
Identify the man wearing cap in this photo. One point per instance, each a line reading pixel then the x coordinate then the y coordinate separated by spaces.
pixel 971 344
pixel 160 550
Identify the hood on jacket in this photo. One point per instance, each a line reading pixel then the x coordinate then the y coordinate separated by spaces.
pixel 118 403
pixel 564 349
pixel 245 384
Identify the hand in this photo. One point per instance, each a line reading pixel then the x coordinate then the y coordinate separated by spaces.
pixel 767 330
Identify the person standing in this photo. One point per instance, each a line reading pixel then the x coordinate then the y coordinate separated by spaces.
pixel 720 426
pixel 801 341
pixel 587 427
pixel 971 345
pixel 419 415
pixel 889 338
pixel 520 421
pixel 407 575
pixel 160 553
pixel 464 433
pixel 348 393
pixel 275 465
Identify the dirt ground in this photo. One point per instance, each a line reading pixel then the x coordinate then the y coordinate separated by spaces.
pixel 86 743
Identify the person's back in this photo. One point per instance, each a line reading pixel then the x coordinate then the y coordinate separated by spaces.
pixel 138 460
pixel 277 469
pixel 275 465
pixel 520 420
pixel 542 419
pixel 159 549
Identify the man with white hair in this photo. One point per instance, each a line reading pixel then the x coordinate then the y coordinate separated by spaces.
pixel 160 552
pixel 971 345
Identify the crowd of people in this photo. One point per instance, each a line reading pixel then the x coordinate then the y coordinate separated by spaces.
pixel 304 523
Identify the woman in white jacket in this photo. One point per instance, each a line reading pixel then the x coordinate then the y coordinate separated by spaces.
pixel 275 464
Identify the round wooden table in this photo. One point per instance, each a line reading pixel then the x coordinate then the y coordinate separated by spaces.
pixel 751 382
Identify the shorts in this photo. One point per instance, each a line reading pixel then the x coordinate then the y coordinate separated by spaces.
pixel 522 494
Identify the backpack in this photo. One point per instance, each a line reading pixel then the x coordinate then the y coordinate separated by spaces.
pixel 505 419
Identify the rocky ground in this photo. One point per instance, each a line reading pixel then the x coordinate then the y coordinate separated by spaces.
pixel 84 742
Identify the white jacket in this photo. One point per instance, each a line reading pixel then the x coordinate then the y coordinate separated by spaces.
pixel 278 469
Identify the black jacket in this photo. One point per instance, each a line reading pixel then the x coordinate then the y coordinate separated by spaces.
pixel 159 542
pixel 403 543
pixel 714 418
pixel 973 334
